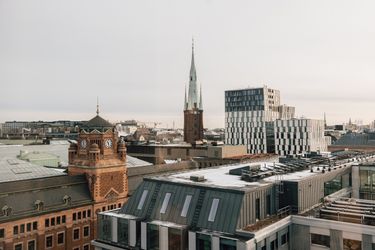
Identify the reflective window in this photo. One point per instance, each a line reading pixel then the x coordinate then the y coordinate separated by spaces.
pixel 164 206
pixel 152 237
pixel 318 239
pixel 123 231
pixel 213 210
pixel 142 200
pixel 186 206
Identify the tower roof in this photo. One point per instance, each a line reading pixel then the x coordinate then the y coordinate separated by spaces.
pixel 193 98
pixel 97 123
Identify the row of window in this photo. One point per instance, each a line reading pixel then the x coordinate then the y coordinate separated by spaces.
pixel 111 207
pixel 61 236
pixel 325 240
pixel 82 215
pixel 28 227
pixel 31 245
pixel 55 221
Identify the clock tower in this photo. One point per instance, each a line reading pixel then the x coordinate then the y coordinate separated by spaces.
pixel 101 156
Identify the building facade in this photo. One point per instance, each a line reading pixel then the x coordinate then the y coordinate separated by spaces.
pixel 193 108
pixel 249 117
pixel 42 208
pixel 299 136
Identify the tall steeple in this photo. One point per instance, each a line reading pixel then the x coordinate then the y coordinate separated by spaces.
pixel 193 99
pixel 97 105
pixel 200 98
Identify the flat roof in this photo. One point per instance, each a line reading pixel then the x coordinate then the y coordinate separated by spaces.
pixel 14 169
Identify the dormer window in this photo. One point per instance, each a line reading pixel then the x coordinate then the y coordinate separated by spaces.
pixel 67 200
pixel 7 211
pixel 39 205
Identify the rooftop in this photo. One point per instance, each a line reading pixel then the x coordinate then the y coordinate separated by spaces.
pixel 13 170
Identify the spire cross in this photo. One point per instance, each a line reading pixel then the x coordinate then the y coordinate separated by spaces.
pixel 97 105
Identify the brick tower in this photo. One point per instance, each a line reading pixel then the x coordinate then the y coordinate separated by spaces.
pixel 102 158
pixel 193 108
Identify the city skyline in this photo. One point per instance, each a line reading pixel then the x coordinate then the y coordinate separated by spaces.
pixel 56 58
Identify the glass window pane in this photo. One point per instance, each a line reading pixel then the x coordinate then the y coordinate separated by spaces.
pixel 186 205
pixel 165 203
pixel 142 200
pixel 213 210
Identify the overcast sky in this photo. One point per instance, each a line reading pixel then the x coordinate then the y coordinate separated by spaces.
pixel 56 57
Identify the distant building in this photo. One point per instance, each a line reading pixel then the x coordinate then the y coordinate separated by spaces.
pixel 193 108
pixel 299 136
pixel 159 153
pixel 249 117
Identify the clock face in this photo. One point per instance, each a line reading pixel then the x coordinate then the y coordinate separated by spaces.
pixel 108 143
pixel 83 143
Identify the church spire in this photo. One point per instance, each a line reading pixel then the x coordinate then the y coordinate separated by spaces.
pixel 185 102
pixel 192 101
pixel 200 98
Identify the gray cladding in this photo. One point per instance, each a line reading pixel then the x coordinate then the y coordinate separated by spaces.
pixel 227 213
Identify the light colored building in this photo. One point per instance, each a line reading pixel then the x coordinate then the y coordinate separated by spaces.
pixel 249 117
pixel 302 204
pixel 299 136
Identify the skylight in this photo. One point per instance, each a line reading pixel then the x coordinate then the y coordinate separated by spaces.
pixel 165 203
pixel 213 210
pixel 185 209
pixel 142 200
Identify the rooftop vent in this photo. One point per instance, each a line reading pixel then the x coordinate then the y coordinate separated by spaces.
pixel 197 178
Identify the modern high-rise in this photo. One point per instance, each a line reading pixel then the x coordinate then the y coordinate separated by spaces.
pixel 299 136
pixel 250 115
pixel 193 108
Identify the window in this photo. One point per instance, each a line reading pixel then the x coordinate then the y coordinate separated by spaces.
pixel 52 221
pixel 257 209
pixel 169 151
pixel 31 245
pixel 15 230
pixel 186 206
pixel 76 234
pixel 84 214
pixel 79 215
pixel 60 238
pixel 74 216
pixel 76 248
pixel 352 244
pixel 89 213
pixel 86 231
pixel 35 225
pixel 28 227
pixel 2 233
pixel 22 228
pixel 49 241
pixel 119 205
pixel 123 231
pixel 142 200
pixel 152 236
pixel 58 220
pixel 268 204
pixel 165 203
pixel 86 247
pixel 18 246
pixel 213 210
pixel 63 219
pixel 318 239
pixel 284 238
pixel 46 223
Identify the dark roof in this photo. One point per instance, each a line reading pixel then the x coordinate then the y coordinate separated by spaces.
pixel 227 213
pixel 21 196
pixel 97 123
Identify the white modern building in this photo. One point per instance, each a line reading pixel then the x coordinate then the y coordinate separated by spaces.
pixel 249 117
pixel 299 136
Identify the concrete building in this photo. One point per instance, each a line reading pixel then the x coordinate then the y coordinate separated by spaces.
pixel 193 108
pixel 299 136
pixel 249 117
pixel 245 206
